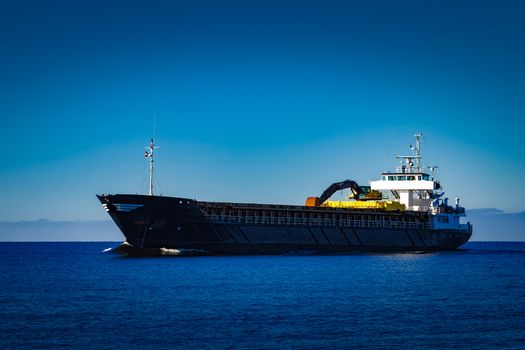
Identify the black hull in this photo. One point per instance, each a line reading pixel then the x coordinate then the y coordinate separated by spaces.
pixel 152 222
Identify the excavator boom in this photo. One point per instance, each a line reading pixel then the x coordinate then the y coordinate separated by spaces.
pixel 358 193
pixel 333 188
pixel 337 186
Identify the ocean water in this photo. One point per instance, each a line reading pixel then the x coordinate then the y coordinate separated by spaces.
pixel 73 295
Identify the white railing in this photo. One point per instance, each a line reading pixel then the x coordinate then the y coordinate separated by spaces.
pixel 266 220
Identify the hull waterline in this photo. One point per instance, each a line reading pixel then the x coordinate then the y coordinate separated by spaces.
pixel 152 223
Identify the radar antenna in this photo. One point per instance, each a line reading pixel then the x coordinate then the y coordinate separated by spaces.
pixel 408 160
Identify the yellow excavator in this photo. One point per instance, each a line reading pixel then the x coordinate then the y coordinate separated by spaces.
pixel 364 198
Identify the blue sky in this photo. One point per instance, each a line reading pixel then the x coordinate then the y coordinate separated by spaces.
pixel 266 101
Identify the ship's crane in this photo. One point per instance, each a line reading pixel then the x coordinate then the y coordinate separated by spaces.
pixel 337 186
pixel 358 193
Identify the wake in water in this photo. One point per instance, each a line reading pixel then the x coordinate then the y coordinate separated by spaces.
pixel 127 249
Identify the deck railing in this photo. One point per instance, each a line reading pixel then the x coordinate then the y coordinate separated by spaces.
pixel 265 220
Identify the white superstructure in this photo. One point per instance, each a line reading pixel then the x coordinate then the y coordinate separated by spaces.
pixel 419 191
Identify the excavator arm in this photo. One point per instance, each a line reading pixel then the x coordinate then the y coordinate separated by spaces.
pixel 358 193
pixel 333 188
pixel 337 186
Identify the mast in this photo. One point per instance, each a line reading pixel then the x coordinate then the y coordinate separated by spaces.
pixel 149 154
pixel 407 161
pixel 418 137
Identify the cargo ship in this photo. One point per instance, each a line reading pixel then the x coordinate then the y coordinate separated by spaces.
pixel 404 210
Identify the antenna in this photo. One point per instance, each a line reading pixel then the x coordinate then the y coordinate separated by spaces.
pixel 418 137
pixel 432 169
pixel 149 154
pixel 408 160
pixel 154 120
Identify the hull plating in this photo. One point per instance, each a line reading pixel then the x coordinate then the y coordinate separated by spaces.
pixel 151 222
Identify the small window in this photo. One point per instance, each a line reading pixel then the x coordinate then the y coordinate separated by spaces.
pixel 411 178
pixel 391 178
pixel 402 178
pixel 426 177
pixel 384 178
pixel 419 177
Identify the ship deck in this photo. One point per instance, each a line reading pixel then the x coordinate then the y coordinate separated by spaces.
pixel 278 214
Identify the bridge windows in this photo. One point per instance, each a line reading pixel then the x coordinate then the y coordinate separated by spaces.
pixel 401 177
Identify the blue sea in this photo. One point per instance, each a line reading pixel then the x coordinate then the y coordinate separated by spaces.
pixel 74 295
